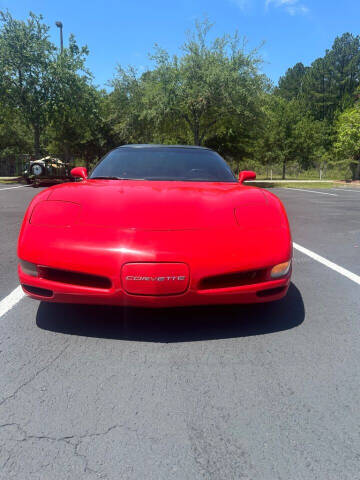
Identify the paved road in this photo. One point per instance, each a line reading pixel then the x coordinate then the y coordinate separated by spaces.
pixel 13 202
pixel 327 222
pixel 258 393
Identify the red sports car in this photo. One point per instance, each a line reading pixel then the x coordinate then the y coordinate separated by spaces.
pixel 156 226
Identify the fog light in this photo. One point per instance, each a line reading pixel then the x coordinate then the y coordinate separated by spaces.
pixel 29 268
pixel 280 270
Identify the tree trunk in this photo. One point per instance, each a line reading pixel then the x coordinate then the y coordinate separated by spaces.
pixel 87 163
pixel 357 171
pixel 284 169
pixel 37 141
pixel 197 140
pixel 66 153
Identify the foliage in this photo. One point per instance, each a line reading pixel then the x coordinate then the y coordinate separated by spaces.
pixel 213 90
pixel 14 136
pixel 291 84
pixel 25 56
pixel 289 135
pixel 347 143
pixel 51 92
pixel 73 102
pixel 212 94
pixel 328 85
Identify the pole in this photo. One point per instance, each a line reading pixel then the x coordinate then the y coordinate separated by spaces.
pixel 61 40
pixel 60 26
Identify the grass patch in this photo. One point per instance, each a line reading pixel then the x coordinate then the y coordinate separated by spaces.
pixel 310 186
pixel 10 180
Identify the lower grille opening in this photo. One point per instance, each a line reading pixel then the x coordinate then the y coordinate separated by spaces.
pixel 42 292
pixel 236 279
pixel 74 278
pixel 270 292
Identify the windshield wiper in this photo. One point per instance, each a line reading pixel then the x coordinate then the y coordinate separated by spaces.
pixel 181 179
pixel 114 178
pixel 165 179
pixel 105 178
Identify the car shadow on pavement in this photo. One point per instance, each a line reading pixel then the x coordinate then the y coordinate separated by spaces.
pixel 173 325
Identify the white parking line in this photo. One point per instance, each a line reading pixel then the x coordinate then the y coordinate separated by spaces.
pixel 11 300
pixel 346 273
pixel 347 190
pixel 10 188
pixel 312 191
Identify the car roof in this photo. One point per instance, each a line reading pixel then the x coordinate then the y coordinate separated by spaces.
pixel 153 145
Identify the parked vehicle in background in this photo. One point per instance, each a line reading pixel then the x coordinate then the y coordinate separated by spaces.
pixel 47 169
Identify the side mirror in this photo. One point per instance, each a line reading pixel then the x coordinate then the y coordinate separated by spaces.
pixel 246 175
pixel 80 172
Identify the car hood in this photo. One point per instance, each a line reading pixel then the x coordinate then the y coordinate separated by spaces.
pixel 154 205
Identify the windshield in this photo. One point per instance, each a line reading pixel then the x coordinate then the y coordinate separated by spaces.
pixel 182 164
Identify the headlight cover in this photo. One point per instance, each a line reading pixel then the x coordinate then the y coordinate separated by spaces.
pixel 280 270
pixel 55 213
pixel 28 268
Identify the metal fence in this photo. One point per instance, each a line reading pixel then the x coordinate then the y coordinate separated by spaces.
pixel 13 165
pixel 293 170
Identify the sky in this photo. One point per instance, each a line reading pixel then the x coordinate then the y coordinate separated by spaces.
pixel 124 32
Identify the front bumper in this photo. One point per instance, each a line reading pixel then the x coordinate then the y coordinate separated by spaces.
pixel 105 251
pixel 64 293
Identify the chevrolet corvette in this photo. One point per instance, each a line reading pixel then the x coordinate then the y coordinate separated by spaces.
pixel 156 226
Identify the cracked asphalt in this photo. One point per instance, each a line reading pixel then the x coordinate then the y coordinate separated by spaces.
pixel 255 392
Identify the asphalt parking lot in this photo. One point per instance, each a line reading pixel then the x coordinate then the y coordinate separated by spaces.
pixel 254 392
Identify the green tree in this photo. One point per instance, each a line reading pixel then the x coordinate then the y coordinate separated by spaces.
pixel 14 136
pixel 73 103
pixel 25 56
pixel 214 86
pixel 290 85
pixel 326 87
pixel 318 90
pixel 347 144
pixel 288 136
pixel 79 127
pixel 330 81
pixel 344 64
pixel 51 91
pixel 129 109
